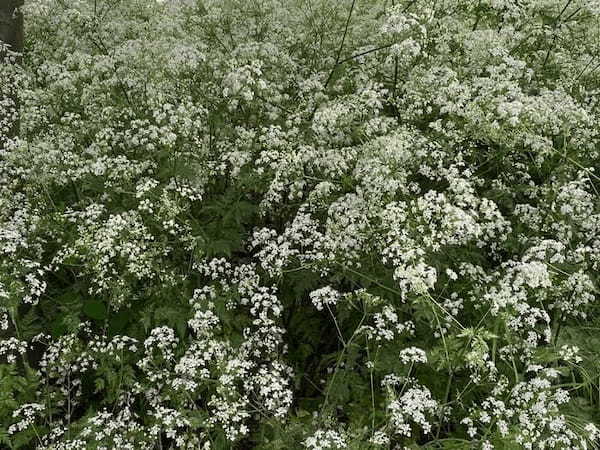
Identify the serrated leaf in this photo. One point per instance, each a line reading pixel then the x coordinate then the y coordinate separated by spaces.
pixel 95 309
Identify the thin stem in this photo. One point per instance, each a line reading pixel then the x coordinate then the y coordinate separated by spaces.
pixel 446 398
pixel 397 292
pixel 339 332
pixel 366 52
pixel 372 388
pixel 339 361
pixel 339 53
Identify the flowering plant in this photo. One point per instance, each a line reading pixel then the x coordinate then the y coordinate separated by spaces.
pixel 368 224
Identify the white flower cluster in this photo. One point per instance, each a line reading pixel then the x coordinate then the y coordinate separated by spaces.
pixel 532 410
pixel 325 440
pixel 11 348
pixel 28 414
pixel 413 355
pixel 412 408
pixel 324 297
pixel 386 325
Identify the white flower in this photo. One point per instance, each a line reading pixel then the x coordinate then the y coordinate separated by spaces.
pixel 324 297
pixel 413 355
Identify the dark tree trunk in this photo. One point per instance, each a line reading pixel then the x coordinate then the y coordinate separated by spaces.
pixel 11 33
pixel 11 24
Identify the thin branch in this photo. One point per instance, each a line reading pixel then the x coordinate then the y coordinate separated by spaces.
pixel 407 7
pixel 358 55
pixel 585 68
pixel 554 26
pixel 339 53
pixel 478 17
pixel 396 61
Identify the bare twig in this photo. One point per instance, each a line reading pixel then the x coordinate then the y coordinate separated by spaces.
pixel 339 53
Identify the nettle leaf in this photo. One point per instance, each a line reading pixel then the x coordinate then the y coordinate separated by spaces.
pixel 95 309
pixel 118 322
pixel 58 328
pixel 174 316
pixel 300 283
pixel 221 247
pixel 240 212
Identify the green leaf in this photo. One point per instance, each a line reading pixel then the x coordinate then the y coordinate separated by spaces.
pixel 118 322
pixel 95 309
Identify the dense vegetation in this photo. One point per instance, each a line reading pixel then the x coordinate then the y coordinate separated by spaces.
pixel 319 224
